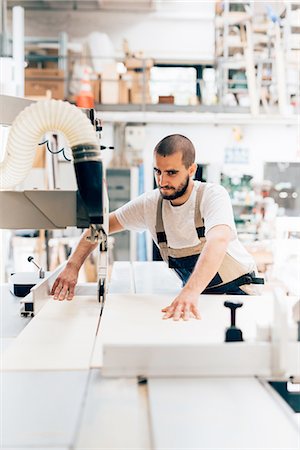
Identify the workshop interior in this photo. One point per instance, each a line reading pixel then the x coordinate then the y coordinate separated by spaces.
pixel 87 90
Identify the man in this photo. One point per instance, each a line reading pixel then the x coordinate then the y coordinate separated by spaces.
pixel 192 224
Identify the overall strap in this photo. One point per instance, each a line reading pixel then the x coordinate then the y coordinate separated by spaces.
pixel 199 223
pixel 160 231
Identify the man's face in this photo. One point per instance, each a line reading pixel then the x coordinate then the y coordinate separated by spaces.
pixel 172 177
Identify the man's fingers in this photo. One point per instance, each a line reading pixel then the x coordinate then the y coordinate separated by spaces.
pixel 56 283
pixel 169 313
pixel 177 313
pixel 63 293
pixel 71 293
pixel 57 291
pixel 181 311
pixel 168 310
pixel 186 313
pixel 196 313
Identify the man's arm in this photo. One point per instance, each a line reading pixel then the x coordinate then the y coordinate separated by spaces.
pixel 207 266
pixel 64 286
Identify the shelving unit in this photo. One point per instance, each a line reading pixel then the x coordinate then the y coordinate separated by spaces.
pixel 234 53
pixel 256 53
pixel 291 33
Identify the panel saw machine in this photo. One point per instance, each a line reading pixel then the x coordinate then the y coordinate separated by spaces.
pixel 55 209
pixel 204 384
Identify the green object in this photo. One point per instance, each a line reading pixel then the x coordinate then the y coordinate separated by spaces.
pixel 242 77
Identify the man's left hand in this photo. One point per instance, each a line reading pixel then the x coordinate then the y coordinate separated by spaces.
pixel 184 306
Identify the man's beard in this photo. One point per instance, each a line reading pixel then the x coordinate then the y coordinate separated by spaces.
pixel 179 192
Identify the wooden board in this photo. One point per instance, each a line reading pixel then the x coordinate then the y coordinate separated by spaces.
pixel 121 280
pixel 155 278
pixel 136 341
pixel 115 415
pixel 41 409
pixel 60 337
pixel 218 413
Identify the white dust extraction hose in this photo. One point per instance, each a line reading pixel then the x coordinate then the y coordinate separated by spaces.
pixel 30 126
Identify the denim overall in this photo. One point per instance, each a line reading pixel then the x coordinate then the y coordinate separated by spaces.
pixel 232 277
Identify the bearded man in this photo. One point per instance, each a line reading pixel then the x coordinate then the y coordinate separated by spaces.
pixel 193 226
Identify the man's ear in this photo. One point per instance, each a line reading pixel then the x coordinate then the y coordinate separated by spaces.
pixel 192 169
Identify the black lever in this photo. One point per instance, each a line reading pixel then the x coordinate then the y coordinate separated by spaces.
pixel 41 271
pixel 233 334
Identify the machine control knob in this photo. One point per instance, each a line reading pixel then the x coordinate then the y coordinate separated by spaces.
pixel 41 271
pixel 233 334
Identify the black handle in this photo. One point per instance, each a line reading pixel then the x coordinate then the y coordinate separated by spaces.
pixel 233 307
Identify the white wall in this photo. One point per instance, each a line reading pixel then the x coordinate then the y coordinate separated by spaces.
pixel 265 143
pixel 178 30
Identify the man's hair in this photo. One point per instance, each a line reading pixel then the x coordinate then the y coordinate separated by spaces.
pixel 177 143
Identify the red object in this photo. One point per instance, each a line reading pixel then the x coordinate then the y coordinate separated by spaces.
pixel 85 98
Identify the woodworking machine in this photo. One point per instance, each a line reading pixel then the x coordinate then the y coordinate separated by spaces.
pixel 131 379
pixel 55 209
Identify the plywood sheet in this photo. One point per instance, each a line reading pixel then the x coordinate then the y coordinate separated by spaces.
pixel 138 318
pixel 136 341
pixel 155 278
pixel 215 413
pixel 115 415
pixel 60 337
pixel 41 409
pixel 121 280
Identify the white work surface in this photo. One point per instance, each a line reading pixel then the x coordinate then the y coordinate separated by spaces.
pixel 115 415
pixel 155 278
pixel 66 333
pixel 136 341
pixel 41 409
pixel 67 404
pixel 218 413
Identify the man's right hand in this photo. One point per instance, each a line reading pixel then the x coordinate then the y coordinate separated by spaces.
pixel 64 285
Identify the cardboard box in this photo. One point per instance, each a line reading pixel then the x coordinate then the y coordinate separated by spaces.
pixel 138 63
pixel 110 85
pixel 123 92
pixel 44 74
pixel 138 98
pixel 96 89
pixel 39 81
pixel 52 62
pixel 166 99
pixel 139 86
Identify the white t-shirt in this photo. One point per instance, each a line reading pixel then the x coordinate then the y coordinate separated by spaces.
pixel 179 221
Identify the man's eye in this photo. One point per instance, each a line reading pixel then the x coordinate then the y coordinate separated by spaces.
pixel 172 172
pixel 158 172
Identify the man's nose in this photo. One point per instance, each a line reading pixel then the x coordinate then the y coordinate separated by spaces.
pixel 163 179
